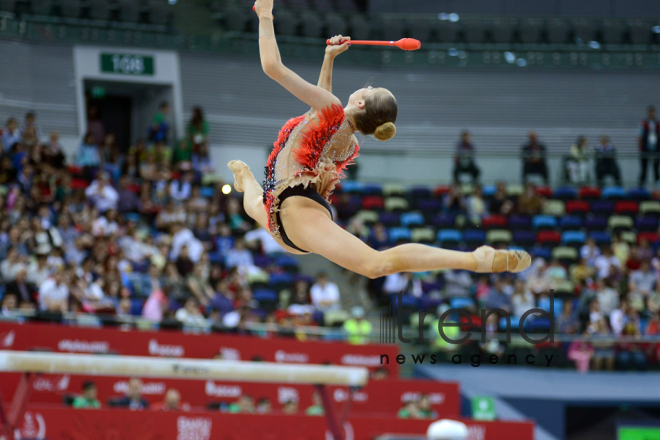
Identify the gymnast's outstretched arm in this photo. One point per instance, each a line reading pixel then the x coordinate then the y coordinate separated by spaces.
pixel 314 96
pixel 338 44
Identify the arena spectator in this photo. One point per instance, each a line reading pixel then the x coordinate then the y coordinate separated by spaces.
pixel 101 193
pixel 182 156
pixel 181 190
pixel 88 155
pixel 260 239
pixel 454 202
pixel 10 135
pixel 577 162
pixel 457 282
pixel 379 238
pixel 409 410
pixel 521 299
pixel 404 282
pixel 464 158
pixel 590 251
pixel 529 202
pixel 290 407
pixel 198 130
pixel 133 399
pixel 156 305
pixel 244 405
pixel 501 203
pixel 604 354
pixel 357 328
pixel 87 399
pixel 316 408
pixel 567 323
pixel 424 408
pixel 9 305
pixel 190 315
pixel 498 297
pixel 264 406
pixel 608 297
pixel 171 402
pixel 325 294
pixel 649 133
pixel 533 158
pixel 606 162
pixel 160 126
pixel 476 206
pixel 54 293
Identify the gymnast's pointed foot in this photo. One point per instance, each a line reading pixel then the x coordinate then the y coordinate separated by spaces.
pixel 491 260
pixel 238 167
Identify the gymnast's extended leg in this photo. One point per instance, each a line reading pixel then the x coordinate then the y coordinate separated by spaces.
pixel 310 228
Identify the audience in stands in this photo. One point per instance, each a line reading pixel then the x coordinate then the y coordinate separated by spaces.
pixel 133 398
pixel 464 159
pixel 606 162
pixel 529 202
pixel 577 162
pixel 324 293
pixel 649 134
pixel 534 158
pixel 501 204
pixel 358 329
pixel 87 398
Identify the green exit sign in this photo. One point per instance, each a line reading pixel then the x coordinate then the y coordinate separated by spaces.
pixel 127 64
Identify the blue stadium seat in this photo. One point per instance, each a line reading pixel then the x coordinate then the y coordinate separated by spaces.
pixel 351 186
pixel 400 233
pixel 216 258
pixel 638 194
pixel 286 261
pixel 390 219
pixel 136 307
pixel 265 295
pixel 573 238
pixel 372 189
pixel 538 324
pixel 412 219
pixel 445 221
pixel 280 279
pixel 461 303
pixel 406 301
pixel 453 235
pixel 600 237
pixel 614 192
pixel 544 222
pixel 474 236
pixel 565 193
pixel 596 223
pixel 570 222
pixel 488 190
pixel 515 323
pixel 262 261
pixel 646 224
pixel 544 303
pixel 539 251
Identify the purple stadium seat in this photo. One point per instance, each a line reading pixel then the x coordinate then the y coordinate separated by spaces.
pixel 602 207
pixel 520 222
pixel 646 223
pixel 596 223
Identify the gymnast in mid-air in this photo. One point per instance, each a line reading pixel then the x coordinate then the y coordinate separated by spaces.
pixel 308 159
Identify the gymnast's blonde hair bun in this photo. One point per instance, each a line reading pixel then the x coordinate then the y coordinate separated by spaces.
pixel 385 131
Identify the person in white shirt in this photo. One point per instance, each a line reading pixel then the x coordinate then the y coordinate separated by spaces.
pixel 105 225
pixel 189 314
pixel 239 257
pixel 589 251
pixel 54 293
pixel 261 236
pixel 180 190
pixel 403 282
pixel 9 305
pixel 605 261
pixel 182 236
pixel 11 266
pixel 102 195
pixel 325 294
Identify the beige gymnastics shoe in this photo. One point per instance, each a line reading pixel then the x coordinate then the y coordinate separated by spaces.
pixel 236 166
pixel 490 260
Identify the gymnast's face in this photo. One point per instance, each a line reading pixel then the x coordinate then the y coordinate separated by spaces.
pixel 359 98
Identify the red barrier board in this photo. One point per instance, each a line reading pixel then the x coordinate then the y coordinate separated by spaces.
pixel 41 422
pixel 176 344
pixel 384 397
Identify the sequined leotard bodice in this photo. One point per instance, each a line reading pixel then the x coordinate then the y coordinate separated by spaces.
pixel 310 150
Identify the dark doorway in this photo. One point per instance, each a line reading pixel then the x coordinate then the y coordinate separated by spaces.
pixel 115 114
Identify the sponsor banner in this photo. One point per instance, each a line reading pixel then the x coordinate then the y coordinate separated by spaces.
pixel 41 423
pixel 171 344
pixel 383 397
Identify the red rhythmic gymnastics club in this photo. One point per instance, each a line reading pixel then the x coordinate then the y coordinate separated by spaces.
pixel 404 43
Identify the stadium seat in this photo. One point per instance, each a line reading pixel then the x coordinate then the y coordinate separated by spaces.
pixel 612 31
pixel 494 221
pixel 287 23
pixel 419 28
pixel 396 204
pixel 548 237
pixel 265 295
pixel 499 236
pixel 370 189
pixel 600 237
pixel 367 217
pixel 539 251
pixel 650 208
pixel 429 319
pixel 352 186
pixel 449 236
pixel 544 303
pixel 412 219
pixel 311 24
pixel 554 207
pixel 544 191
pixel 565 254
pixel 335 318
pixel 442 221
pixel 530 30
pixel 399 234
pixel 577 207
pixel 513 321
pixel 429 206
pixel 614 193
pixel 474 237
pixel 573 238
pixel 544 222
pixel 440 190
pixel 406 301
pixel 590 193
pixel 643 224
pixel 262 261
pixel 360 27
pixel 514 190
pixel 564 288
pixel 638 194
pixel 524 238
pixel 390 219
pixel 462 303
pixel 373 203
pixel 626 207
pixel 565 193
pixel 605 207
pixel 595 223
pixel 447 31
pixel 619 223
pixel 287 262
pixel 207 192
pixel 629 237
pixel 503 30
pixel 639 31
pixel 422 235
pixel 570 222
pixel 393 189
pixel 520 222
pixel 584 29
pixel 488 190
pixel 652 237
pixel 279 281
pixel 474 30
pixel 420 192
